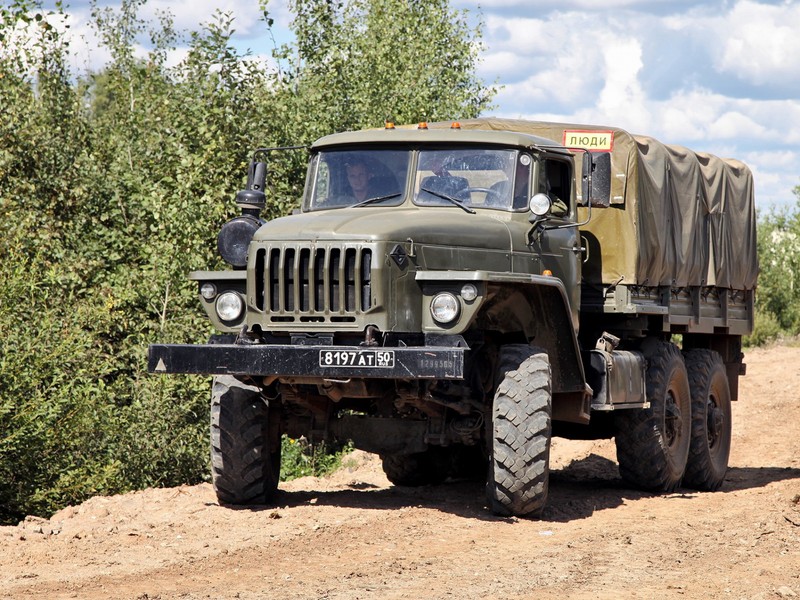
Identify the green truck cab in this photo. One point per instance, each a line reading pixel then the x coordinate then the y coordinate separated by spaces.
pixel 450 296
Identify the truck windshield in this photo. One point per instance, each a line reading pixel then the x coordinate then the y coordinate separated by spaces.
pixel 495 178
pixel 477 178
pixel 343 178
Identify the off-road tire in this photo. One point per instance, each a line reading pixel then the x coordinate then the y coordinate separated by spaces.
pixel 520 430
pixel 711 420
pixel 421 468
pixel 245 443
pixel 653 443
pixel 467 462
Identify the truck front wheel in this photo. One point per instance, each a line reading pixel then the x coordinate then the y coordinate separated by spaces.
pixel 711 420
pixel 245 443
pixel 519 448
pixel 653 443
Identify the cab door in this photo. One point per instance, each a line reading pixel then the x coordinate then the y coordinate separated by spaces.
pixel 559 242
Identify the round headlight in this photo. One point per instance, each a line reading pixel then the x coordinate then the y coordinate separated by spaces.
pixel 540 204
pixel 208 291
pixel 230 306
pixel 469 292
pixel 235 237
pixel 445 307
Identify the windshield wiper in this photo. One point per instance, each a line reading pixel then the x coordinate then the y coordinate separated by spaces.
pixel 375 199
pixel 450 199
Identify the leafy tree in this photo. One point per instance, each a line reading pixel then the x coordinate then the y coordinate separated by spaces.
pixel 113 186
pixel 355 64
pixel 778 294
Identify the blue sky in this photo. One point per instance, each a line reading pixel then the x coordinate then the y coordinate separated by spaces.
pixel 720 76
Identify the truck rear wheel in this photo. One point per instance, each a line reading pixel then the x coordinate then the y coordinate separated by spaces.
pixel 245 443
pixel 711 420
pixel 420 468
pixel 653 443
pixel 519 448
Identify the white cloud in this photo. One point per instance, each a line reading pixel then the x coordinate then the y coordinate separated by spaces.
pixel 547 61
pixel 731 125
pixel 505 65
pixel 757 42
pixel 622 97
pixel 187 16
pixel 523 36
pixel 762 42
pixel 775 176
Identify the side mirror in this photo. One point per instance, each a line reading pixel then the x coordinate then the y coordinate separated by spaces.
pixel 252 200
pixel 596 179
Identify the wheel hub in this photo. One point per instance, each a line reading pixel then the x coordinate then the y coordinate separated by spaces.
pixel 716 420
pixel 673 420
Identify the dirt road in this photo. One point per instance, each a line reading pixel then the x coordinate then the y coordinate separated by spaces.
pixel 355 536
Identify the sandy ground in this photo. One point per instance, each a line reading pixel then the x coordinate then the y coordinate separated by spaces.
pixel 353 535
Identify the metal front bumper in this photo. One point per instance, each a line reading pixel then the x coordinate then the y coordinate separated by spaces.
pixel 422 362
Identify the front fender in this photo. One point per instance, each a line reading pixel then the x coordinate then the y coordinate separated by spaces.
pixel 535 305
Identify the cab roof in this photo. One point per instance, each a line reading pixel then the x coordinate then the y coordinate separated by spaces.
pixel 436 135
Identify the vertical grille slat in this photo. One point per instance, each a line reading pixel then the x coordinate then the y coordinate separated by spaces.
pixel 304 277
pixel 365 280
pixel 288 280
pixel 350 280
pixel 320 283
pixel 335 278
pixel 260 290
pixel 274 286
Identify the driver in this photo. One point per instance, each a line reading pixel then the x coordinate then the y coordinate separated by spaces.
pixel 359 179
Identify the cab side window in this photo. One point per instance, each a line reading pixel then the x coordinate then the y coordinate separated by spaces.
pixel 555 180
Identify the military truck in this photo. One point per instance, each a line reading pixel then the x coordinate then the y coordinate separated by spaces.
pixel 452 295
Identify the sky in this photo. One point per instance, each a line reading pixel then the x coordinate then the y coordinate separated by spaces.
pixel 718 76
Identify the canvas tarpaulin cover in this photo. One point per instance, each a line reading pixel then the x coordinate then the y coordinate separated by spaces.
pixel 677 218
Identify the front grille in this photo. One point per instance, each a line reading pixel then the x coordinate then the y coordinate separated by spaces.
pixel 313 283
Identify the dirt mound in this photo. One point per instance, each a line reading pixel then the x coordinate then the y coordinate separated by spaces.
pixel 353 535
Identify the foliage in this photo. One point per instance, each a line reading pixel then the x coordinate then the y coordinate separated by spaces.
pixel 401 60
pixel 766 329
pixel 113 185
pixel 778 294
pixel 300 458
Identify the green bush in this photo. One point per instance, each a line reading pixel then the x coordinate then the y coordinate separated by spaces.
pixel 778 292
pixel 767 329
pixel 301 459
pixel 113 186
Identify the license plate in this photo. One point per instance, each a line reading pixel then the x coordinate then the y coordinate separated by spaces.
pixel 382 359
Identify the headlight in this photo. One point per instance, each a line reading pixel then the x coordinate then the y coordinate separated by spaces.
pixel 235 237
pixel 230 306
pixel 445 308
pixel 208 291
pixel 469 292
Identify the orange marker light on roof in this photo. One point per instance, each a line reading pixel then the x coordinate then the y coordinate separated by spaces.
pixel 389 125
pixel 547 273
pixel 422 125
pixel 455 125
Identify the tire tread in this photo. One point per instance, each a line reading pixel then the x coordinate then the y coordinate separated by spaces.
pixel 520 445
pixel 243 469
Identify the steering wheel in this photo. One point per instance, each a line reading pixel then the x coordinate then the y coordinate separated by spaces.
pixel 491 198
